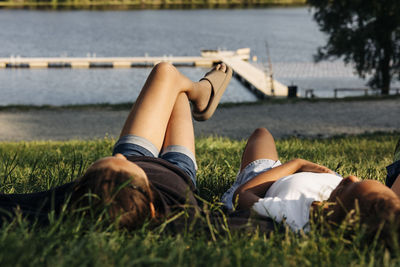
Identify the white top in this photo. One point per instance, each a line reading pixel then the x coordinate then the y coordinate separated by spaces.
pixel 290 197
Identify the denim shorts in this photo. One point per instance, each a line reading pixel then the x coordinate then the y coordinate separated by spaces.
pixel 393 170
pixel 249 172
pixel 180 156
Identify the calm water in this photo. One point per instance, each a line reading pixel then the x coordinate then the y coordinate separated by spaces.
pixel 291 34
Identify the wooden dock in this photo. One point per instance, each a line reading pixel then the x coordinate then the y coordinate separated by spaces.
pixel 253 77
pixel 101 62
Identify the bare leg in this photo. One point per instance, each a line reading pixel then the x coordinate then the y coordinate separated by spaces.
pixel 150 116
pixel 180 126
pixel 261 145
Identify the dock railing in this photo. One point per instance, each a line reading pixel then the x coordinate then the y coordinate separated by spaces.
pixel 365 90
pixel 336 90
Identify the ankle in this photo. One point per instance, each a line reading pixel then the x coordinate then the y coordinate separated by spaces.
pixel 195 94
pixel 200 94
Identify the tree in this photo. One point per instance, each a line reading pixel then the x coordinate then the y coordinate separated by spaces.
pixel 363 32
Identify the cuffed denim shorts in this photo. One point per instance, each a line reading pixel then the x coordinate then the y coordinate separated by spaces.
pixel 249 172
pixel 180 156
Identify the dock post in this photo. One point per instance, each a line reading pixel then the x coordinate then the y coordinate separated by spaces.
pixel 292 91
pixel 121 64
pixel 38 65
pixel 80 65
pixel 205 64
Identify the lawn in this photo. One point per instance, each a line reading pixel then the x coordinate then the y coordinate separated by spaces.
pixel 34 166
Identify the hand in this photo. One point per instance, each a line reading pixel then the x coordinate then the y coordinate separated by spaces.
pixel 308 166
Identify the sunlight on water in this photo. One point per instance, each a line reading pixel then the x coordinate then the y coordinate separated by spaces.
pixel 292 36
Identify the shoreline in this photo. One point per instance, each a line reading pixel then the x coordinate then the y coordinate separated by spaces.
pixel 105 5
pixel 306 119
pixel 270 101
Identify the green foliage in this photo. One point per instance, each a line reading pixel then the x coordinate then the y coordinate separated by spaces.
pixel 55 163
pixel 34 166
pixel 363 32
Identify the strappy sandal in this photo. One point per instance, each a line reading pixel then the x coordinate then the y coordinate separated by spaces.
pixel 219 81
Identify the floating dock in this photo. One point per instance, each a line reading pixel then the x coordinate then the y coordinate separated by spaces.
pixel 101 62
pixel 251 76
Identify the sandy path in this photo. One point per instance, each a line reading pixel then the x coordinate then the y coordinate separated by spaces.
pixel 302 118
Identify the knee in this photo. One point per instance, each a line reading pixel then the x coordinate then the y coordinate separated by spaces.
pixel 164 68
pixel 262 132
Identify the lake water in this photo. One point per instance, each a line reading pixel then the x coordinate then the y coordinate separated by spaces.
pixel 292 37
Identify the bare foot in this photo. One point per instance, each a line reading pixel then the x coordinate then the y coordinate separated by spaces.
pixel 202 90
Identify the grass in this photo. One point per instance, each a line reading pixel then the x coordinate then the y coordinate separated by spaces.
pixel 34 166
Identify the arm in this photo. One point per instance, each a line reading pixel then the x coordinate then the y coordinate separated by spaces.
pixel 253 190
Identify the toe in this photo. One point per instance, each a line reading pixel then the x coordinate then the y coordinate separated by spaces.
pixel 222 67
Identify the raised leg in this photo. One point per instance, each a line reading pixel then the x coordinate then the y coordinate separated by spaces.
pixel 261 145
pixel 180 125
pixel 150 116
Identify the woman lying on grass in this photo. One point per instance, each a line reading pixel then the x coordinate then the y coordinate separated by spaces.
pixel 296 190
pixel 152 172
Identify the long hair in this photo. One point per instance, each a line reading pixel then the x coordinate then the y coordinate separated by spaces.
pixel 125 197
pixel 377 214
pixel 380 215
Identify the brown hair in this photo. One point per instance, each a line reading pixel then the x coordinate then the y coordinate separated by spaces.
pixel 126 197
pixel 380 214
pixel 377 214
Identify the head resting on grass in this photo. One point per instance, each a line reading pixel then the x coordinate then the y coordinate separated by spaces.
pixel 376 205
pixel 118 186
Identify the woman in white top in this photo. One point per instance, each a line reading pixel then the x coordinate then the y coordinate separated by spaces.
pixel 289 191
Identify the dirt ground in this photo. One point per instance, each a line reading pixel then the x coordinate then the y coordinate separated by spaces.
pixel 303 118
